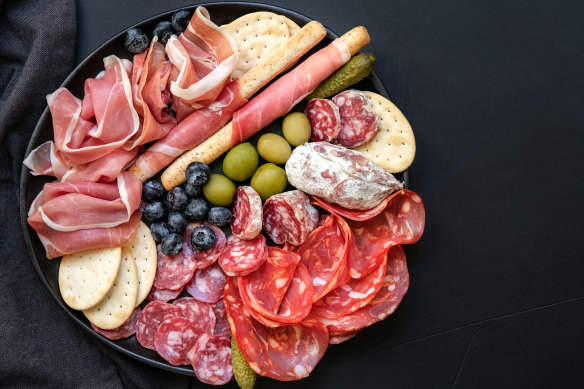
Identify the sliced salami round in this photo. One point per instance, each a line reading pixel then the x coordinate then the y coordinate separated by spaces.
pixel 211 359
pixel 124 331
pixel 207 257
pixel 247 213
pixel 289 217
pixel 207 284
pixel 149 320
pixel 198 312
pixel 336 337
pixel 324 118
pixel 175 338
pixel 359 122
pixel 285 353
pixel 221 323
pixel 173 272
pixel 163 294
pixel 241 257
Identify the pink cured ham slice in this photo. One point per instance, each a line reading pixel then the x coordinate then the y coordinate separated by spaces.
pixel 175 271
pixel 221 322
pixel 289 217
pixel 124 331
pixel 359 122
pixel 43 161
pixel 204 258
pixel 207 284
pixel 211 359
pixel 337 337
pixel 286 353
pixel 198 312
pixel 164 295
pixel 287 91
pixel 175 338
pixel 150 318
pixel 324 118
pixel 241 257
pixel 104 169
pixel 247 213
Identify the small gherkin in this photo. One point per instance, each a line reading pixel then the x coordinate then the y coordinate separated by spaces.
pixel 244 375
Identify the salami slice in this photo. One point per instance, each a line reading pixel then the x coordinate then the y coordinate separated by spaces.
pixel 198 312
pixel 221 322
pixel 149 320
pixel 124 331
pixel 173 272
pixel 211 359
pixel 241 257
pixel 163 294
pixel 285 353
pixel 175 338
pixel 247 213
pixel 207 257
pixel 207 284
pixel 289 217
pixel 324 118
pixel 336 337
pixel 359 122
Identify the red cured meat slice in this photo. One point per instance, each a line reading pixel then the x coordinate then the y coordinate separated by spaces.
pixel 324 119
pixel 207 284
pixel 124 331
pixel 247 213
pixel 353 214
pixel 285 353
pixel 149 320
pixel 241 257
pixel 221 322
pixel 359 122
pixel 351 296
pixel 336 337
pixel 163 294
pixel 198 312
pixel 324 254
pixel 211 359
pixel 175 338
pixel 289 217
pixel 207 257
pixel 175 271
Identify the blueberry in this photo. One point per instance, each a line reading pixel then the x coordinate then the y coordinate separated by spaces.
pixel 219 216
pixel 163 31
pixel 197 209
pixel 154 211
pixel 192 190
pixel 203 238
pixel 180 20
pixel 171 244
pixel 152 190
pixel 197 173
pixel 177 222
pixel 159 230
pixel 135 40
pixel 177 199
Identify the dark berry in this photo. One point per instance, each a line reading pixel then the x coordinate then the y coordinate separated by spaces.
pixel 171 244
pixel 203 238
pixel 197 173
pixel 219 216
pixel 192 190
pixel 152 190
pixel 163 31
pixel 177 199
pixel 177 222
pixel 135 40
pixel 197 209
pixel 180 20
pixel 159 230
pixel 154 211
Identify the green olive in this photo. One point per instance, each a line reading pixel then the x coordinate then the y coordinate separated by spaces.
pixel 296 128
pixel 240 162
pixel 219 190
pixel 268 180
pixel 274 148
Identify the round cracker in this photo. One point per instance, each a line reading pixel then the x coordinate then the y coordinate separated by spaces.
pixel 117 306
pixel 394 145
pixel 292 27
pixel 86 277
pixel 143 250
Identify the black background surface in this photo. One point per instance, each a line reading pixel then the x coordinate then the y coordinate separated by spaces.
pixel 495 94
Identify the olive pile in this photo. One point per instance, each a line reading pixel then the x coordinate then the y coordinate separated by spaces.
pixel 136 40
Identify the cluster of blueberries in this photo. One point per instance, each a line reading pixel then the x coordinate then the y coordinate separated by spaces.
pixel 136 41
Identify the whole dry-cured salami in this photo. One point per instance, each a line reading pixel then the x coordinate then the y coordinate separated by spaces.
pixel 221 322
pixel 207 257
pixel 289 217
pixel 207 284
pixel 173 272
pixel 336 337
pixel 174 339
pixel 241 257
pixel 150 318
pixel 324 118
pixel 247 213
pixel 286 353
pixel 211 359
pixel 359 122
pixel 124 331
pixel 163 294
pixel 198 312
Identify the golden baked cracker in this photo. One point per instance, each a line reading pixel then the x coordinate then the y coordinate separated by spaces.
pixel 86 277
pixel 115 308
pixel 143 250
pixel 394 145
pixel 292 27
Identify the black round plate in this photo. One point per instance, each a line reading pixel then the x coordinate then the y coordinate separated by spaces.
pixel 221 13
